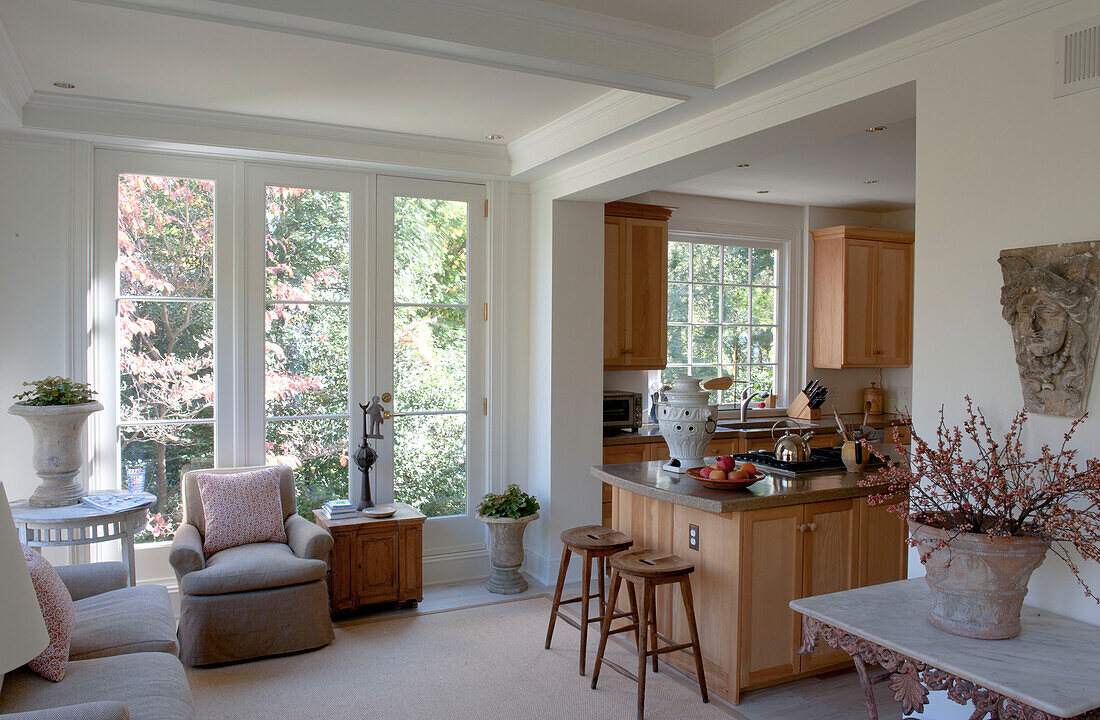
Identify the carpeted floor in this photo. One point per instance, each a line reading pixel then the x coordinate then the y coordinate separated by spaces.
pixel 482 662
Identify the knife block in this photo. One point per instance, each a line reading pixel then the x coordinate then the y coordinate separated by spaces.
pixel 800 409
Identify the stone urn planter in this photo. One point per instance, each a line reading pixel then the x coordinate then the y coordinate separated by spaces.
pixel 506 553
pixel 57 455
pixel 977 582
pixel 687 421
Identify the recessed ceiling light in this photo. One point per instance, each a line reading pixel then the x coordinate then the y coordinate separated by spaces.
pixel 494 136
pixel 742 165
pixel 876 128
pixel 762 192
pixel 64 85
pixel 869 182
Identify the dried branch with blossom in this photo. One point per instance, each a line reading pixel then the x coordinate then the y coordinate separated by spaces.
pixel 971 482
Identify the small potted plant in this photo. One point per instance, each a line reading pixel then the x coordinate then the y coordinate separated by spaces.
pixel 56 408
pixel 507 516
pixel 983 514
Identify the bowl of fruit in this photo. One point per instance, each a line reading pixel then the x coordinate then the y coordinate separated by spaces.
pixel 724 474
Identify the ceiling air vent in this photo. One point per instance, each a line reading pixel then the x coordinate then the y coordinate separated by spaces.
pixel 1077 58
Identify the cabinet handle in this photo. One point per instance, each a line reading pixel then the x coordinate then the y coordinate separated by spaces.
pixel 802 527
pixel 627 351
pixel 812 526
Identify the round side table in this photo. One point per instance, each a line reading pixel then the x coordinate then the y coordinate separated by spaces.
pixel 82 524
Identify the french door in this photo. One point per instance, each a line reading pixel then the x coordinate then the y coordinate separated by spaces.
pixel 430 353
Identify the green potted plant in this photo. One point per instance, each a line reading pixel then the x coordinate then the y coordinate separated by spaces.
pixel 507 515
pixel 56 408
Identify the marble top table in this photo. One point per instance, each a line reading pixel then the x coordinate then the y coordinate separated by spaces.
pixel 1049 671
pixel 81 524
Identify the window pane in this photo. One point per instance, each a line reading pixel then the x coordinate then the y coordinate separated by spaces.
pixel 165 236
pixel 679 261
pixel 671 372
pixel 763 345
pixel 678 302
pixel 736 265
pixel 166 360
pixel 308 244
pixel 429 463
pixel 735 345
pixel 763 266
pixel 704 373
pixel 704 344
pixel 763 306
pixel 763 378
pixel 317 450
pixel 153 459
pixel 678 343
pixel 429 250
pixel 705 263
pixel 306 359
pixel 735 304
pixel 704 303
pixel 429 359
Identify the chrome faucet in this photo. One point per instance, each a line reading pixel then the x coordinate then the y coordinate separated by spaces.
pixel 746 398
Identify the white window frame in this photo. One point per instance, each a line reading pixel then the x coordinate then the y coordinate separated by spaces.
pixel 787 345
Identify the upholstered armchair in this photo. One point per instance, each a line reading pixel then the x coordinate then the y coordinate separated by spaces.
pixel 251 600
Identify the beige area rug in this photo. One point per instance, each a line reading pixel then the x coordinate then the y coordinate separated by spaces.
pixel 481 662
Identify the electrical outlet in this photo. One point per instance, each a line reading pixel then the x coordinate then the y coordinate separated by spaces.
pixel 693 537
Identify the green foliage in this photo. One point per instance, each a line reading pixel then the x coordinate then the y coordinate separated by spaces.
pixel 56 390
pixel 513 503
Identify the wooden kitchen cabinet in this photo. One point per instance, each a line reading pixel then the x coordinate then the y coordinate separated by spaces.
pixel 863 297
pixel 375 560
pixel 635 286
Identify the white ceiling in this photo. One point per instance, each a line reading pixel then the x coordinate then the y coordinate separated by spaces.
pixel 123 54
pixel 829 174
pixel 698 17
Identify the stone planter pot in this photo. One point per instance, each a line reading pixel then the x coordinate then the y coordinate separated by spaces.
pixel 977 582
pixel 506 553
pixel 687 422
pixel 57 455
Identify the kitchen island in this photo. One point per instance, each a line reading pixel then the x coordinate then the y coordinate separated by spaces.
pixel 754 551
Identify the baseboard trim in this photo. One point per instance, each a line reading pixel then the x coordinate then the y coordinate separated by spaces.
pixel 456 567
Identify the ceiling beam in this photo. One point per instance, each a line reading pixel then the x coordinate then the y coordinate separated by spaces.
pixel 536 38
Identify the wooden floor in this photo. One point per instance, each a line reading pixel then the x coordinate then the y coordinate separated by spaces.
pixel 836 696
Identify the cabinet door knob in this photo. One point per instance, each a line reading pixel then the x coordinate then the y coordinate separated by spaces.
pixel 802 527
pixel 812 526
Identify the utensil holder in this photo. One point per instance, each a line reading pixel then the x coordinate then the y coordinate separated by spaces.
pixel 800 409
pixel 854 456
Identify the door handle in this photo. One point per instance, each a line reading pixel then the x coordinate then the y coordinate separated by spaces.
pixel 386 414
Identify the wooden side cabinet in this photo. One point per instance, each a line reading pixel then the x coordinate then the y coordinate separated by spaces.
pixel 635 286
pixel 375 560
pixel 863 297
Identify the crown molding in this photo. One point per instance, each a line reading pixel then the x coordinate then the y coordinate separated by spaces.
pixel 728 123
pixel 597 118
pixel 114 119
pixel 531 37
pixel 15 88
pixel 790 28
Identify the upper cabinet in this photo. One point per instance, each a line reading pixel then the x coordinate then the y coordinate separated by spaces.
pixel 635 286
pixel 863 297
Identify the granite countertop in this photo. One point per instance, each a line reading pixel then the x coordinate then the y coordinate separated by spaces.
pixel 649 480
pixel 652 433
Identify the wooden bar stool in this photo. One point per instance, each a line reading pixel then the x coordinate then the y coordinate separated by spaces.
pixel 591 542
pixel 647 568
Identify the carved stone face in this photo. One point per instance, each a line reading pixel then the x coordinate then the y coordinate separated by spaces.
pixel 1041 324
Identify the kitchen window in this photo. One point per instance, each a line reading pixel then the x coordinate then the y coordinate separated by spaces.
pixel 727 301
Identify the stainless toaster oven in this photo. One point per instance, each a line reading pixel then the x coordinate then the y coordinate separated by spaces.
pixel 622 410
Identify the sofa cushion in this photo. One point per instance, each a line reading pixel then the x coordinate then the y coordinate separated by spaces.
pixel 57 611
pixel 241 508
pixel 152 685
pixel 252 567
pixel 130 620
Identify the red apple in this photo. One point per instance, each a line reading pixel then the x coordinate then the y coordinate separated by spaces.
pixel 725 463
pixel 738 475
pixel 704 473
pixel 716 475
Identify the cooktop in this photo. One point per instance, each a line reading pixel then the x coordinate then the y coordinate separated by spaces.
pixel 821 459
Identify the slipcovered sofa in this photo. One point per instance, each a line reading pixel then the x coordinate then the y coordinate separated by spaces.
pixel 251 600
pixel 122 660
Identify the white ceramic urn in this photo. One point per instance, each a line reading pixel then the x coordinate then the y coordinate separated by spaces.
pixel 687 421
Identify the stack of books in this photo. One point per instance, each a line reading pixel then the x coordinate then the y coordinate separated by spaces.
pixel 339 510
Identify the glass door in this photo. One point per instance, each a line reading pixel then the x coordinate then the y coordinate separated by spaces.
pixel 431 354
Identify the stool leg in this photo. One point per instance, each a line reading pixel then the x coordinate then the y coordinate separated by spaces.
pixel 652 602
pixel 689 608
pixel 557 593
pixel 586 581
pixel 633 610
pixel 643 636
pixel 603 594
pixel 605 625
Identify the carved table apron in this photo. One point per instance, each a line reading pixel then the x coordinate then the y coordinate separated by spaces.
pixel 1048 672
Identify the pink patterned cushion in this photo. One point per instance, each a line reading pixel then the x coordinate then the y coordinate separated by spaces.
pixel 241 508
pixel 57 610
